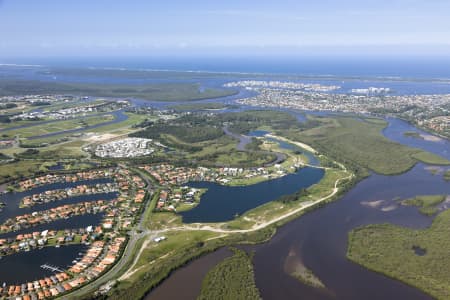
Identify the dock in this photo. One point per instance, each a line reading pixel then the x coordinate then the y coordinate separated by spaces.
pixel 51 268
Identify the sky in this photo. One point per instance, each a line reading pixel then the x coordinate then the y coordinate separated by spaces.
pixel 232 27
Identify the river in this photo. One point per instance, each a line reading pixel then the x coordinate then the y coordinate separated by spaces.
pixel 319 238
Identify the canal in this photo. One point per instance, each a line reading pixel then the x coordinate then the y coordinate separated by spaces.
pixel 319 238
pixel 12 266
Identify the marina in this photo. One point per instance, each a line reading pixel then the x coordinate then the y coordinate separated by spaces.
pixel 51 268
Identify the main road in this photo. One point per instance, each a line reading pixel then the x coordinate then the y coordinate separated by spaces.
pixel 134 236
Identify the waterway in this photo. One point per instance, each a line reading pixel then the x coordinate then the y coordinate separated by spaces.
pixel 25 266
pixel 12 266
pixel 119 116
pixel 188 279
pixel 12 200
pixel 223 203
pixel 319 238
pixel 312 159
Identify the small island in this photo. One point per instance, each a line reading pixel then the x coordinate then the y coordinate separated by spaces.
pixel 413 134
pixel 416 257
pixel 447 175
pixel 428 205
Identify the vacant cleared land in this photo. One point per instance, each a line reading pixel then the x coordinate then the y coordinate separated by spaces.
pixel 416 257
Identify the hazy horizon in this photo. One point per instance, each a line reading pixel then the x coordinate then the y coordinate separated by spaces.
pixel 234 28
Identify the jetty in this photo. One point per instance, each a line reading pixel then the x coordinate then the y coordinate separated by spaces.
pixel 51 268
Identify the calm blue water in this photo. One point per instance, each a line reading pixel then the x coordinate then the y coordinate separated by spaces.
pixel 76 222
pixel 320 237
pixel 31 261
pixel 222 203
pixel 409 67
pixel 23 267
pixel 319 240
pixel 12 200
pixel 346 72
pixel 396 129
pixel 312 160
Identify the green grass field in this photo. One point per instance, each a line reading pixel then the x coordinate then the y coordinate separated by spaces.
pixel 123 127
pixel 361 143
pixel 417 257
pixel 53 127
pixel 60 146
pixel 20 169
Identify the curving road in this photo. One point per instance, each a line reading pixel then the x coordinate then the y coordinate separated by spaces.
pixel 134 236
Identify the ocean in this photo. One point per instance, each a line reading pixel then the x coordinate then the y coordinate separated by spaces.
pixel 401 67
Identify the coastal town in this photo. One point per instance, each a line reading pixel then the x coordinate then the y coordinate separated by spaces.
pixel 59 194
pixel 123 148
pixel 255 85
pixel 47 179
pixel 430 112
pixel 103 243
pixel 98 257
pixel 176 194
pixel 61 107
pixel 225 150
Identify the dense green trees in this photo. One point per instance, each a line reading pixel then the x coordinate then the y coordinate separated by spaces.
pixel 447 175
pixel 293 197
pixel 417 257
pixel 427 204
pixel 233 278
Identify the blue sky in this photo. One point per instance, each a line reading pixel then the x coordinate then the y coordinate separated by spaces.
pixel 232 27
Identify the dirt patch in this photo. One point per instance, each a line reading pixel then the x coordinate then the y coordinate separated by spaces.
pixel 99 137
pixel 373 204
pixel 389 208
pixel 294 266
pixel 431 138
